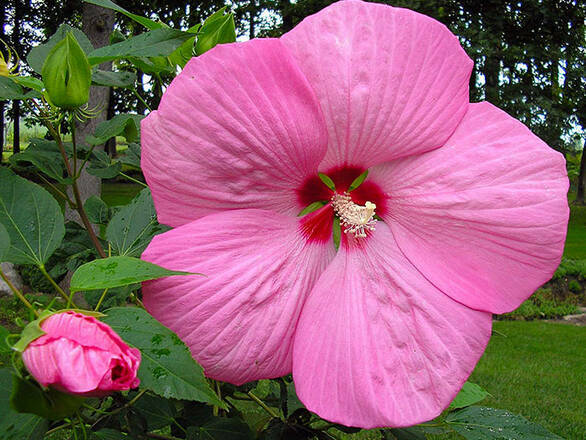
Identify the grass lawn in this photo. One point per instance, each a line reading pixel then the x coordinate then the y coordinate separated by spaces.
pixel 576 239
pixel 538 371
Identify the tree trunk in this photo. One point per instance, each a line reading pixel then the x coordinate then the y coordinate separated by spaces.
pixel 16 126
pixel 110 146
pixel 2 103
pixel 97 22
pixel 18 12
pixel 284 7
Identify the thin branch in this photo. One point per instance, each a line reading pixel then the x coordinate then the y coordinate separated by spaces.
pixel 132 179
pixel 264 406
pixel 76 194
pixel 18 293
pixel 56 286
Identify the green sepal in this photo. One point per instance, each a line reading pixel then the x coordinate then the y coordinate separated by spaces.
pixel 67 74
pixel 311 208
pixel 92 313
pixel 337 232
pixel 327 181
pixel 28 397
pixel 358 181
pixel 31 332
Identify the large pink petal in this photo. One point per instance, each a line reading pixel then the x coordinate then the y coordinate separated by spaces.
pixel 379 345
pixel 239 128
pixel 483 218
pixel 85 330
pixel 391 82
pixel 239 319
pixel 67 365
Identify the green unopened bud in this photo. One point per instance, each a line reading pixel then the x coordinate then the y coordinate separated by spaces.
pixel 67 74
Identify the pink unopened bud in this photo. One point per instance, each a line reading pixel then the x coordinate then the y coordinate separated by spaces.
pixel 81 355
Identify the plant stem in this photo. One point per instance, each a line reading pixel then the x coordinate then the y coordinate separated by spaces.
pixel 56 286
pixel 76 194
pixel 58 191
pixel 18 293
pixel 57 428
pixel 74 143
pixel 264 406
pixel 89 153
pixel 141 99
pixel 132 179
pixel 101 299
pixel 128 404
pixel 160 436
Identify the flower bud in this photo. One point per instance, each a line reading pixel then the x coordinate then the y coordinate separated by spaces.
pixel 3 67
pixel 80 355
pixel 67 74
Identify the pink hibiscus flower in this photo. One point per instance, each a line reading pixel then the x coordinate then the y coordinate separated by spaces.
pixel 384 331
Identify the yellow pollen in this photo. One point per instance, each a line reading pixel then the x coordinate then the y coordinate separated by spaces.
pixel 356 219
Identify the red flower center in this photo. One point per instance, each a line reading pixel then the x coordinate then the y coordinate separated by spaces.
pixel 317 226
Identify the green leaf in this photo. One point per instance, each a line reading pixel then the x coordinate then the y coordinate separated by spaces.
pixel 468 395
pixel 13 425
pixel 67 74
pixel 97 210
pixel 4 347
pixel 412 433
pixel 133 227
pixel 293 402
pixel 37 55
pixel 30 82
pixel 28 397
pixel 358 181
pixel 9 89
pixel 156 43
pixel 125 124
pixel 220 428
pixel 158 412
pixel 32 218
pixel 481 423
pixel 102 166
pixel 311 208
pixel 108 434
pixel 186 51
pixel 146 22
pixel 167 367
pixel 4 242
pixel 153 65
pixel 327 181
pixel 45 156
pixel 31 332
pixel 117 271
pixel 116 296
pixel 132 156
pixel 113 79
pixel 217 29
